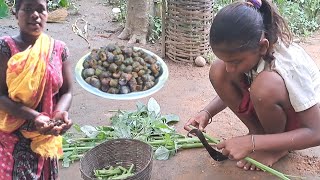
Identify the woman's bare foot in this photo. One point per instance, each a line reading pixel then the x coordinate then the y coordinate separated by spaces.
pixel 266 158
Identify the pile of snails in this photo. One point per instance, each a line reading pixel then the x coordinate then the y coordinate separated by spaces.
pixel 120 70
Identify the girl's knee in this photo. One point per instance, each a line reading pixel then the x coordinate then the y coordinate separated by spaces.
pixel 268 87
pixel 270 99
pixel 217 73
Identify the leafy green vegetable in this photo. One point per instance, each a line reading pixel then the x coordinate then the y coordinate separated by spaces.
pixel 162 153
pixel 118 172
pixel 90 131
pixel 153 106
pixel 145 124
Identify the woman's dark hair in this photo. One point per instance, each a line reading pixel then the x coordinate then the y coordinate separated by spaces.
pixel 18 5
pixel 240 26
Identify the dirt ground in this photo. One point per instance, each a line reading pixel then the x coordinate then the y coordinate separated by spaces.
pixel 186 92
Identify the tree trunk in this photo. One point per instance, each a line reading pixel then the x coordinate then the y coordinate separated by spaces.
pixel 137 21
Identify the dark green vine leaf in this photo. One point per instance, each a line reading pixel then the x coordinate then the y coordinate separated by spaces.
pixel 64 3
pixel 3 9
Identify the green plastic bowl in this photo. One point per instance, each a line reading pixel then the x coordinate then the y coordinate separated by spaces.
pixel 160 81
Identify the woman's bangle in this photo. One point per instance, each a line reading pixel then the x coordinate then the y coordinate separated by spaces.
pixel 210 116
pixel 253 143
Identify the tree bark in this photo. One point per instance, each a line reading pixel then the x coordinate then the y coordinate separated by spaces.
pixel 137 21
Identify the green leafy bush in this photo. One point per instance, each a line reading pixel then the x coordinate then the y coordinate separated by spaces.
pixel 55 4
pixel 156 30
pixel 3 9
pixel 302 16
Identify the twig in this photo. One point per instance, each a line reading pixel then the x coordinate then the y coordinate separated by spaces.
pixel 82 33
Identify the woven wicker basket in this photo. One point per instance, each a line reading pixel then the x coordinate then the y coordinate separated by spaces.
pixel 187 29
pixel 119 152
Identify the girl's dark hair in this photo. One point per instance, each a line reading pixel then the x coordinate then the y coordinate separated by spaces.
pixel 240 26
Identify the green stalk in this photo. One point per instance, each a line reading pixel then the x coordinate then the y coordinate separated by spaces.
pixel 185 146
pixel 252 161
pixel 179 141
pixel 73 157
pixel 211 139
pixel 78 148
pixel 131 168
pixel 267 168
pixel 86 139
pixel 76 145
pixel 188 140
pixel 157 137
pixel 112 110
pixel 190 146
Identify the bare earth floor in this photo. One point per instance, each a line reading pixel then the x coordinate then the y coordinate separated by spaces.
pixel 186 92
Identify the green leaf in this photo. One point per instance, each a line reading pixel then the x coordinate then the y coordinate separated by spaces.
pixel 64 3
pixel 163 127
pixel 141 106
pixel 3 9
pixel 162 153
pixel 67 154
pixel 153 106
pixel 90 131
pixel 77 127
pixel 105 128
pixel 170 118
pixel 122 131
pixel 101 135
pixel 66 162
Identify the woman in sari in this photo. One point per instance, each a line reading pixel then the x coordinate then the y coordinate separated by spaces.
pixel 35 91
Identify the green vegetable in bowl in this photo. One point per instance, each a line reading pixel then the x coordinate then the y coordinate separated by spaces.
pixel 118 172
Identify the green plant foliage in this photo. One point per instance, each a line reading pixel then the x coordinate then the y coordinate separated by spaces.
pixel 122 5
pixel 64 3
pixel 219 4
pixel 311 7
pixel 55 4
pixel 301 15
pixel 3 9
pixel 156 30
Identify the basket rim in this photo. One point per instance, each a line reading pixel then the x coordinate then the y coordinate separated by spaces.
pixel 119 139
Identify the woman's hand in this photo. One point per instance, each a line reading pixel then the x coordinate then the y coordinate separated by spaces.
pixel 43 125
pixel 63 116
pixel 200 121
pixel 237 148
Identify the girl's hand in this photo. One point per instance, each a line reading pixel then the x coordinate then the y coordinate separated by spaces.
pixel 64 116
pixel 236 148
pixel 200 121
pixel 43 125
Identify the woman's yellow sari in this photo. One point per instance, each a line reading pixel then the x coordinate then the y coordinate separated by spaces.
pixel 26 81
